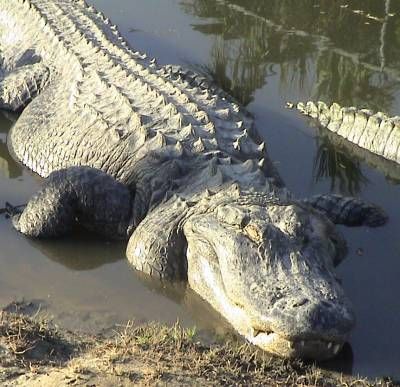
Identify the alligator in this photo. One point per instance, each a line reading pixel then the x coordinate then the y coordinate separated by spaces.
pixel 376 132
pixel 161 157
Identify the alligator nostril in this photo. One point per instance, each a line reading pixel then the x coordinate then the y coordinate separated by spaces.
pixel 301 302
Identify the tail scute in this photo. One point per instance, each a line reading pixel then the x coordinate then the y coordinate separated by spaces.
pixel 375 132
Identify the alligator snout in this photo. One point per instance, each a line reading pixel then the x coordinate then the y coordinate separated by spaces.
pixel 303 319
pixel 273 281
pixel 302 328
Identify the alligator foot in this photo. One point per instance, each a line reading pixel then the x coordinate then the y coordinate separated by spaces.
pixel 348 211
pixel 80 195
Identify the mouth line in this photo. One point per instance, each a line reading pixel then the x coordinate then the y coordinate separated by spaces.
pixel 271 340
pixel 260 331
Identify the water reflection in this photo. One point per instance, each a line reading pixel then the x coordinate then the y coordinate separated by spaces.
pixel 343 170
pixel 341 162
pixel 8 167
pixel 80 251
pixel 229 73
pixel 318 49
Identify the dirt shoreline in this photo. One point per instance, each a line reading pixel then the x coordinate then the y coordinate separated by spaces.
pixel 34 352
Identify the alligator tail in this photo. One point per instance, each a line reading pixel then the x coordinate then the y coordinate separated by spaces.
pixel 376 132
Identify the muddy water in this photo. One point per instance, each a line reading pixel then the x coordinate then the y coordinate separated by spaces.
pixel 264 53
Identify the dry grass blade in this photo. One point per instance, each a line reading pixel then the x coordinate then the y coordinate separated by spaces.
pixel 149 354
pixel 32 341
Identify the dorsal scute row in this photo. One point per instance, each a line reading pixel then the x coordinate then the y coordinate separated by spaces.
pixel 127 93
pixel 176 78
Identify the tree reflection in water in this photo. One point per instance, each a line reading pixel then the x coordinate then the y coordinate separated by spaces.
pixel 341 162
pixel 343 170
pixel 320 50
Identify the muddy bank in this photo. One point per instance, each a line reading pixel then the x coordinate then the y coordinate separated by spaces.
pixel 35 352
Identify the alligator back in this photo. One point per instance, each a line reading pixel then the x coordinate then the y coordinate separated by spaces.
pixel 108 106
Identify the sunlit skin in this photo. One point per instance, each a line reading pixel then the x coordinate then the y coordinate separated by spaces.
pixel 159 156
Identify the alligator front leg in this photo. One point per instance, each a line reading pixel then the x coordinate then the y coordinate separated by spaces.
pixel 21 85
pixel 348 211
pixel 77 195
pixel 158 246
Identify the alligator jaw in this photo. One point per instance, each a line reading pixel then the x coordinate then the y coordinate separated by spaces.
pixel 267 339
pixel 305 349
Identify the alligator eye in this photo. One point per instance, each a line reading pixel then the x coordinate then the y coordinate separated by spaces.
pixel 255 231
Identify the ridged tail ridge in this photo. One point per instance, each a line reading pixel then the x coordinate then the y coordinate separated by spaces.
pixel 376 132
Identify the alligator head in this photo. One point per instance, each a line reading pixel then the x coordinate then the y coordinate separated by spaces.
pixel 267 266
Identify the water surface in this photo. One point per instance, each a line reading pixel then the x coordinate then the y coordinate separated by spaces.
pixel 264 53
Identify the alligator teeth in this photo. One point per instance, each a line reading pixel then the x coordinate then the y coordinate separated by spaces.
pixel 329 345
pixel 336 349
pixel 255 332
pixel 291 344
pixel 261 147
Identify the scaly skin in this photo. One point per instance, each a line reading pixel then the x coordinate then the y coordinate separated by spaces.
pixel 375 132
pixel 158 155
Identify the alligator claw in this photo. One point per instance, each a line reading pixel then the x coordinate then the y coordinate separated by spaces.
pixel 9 210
